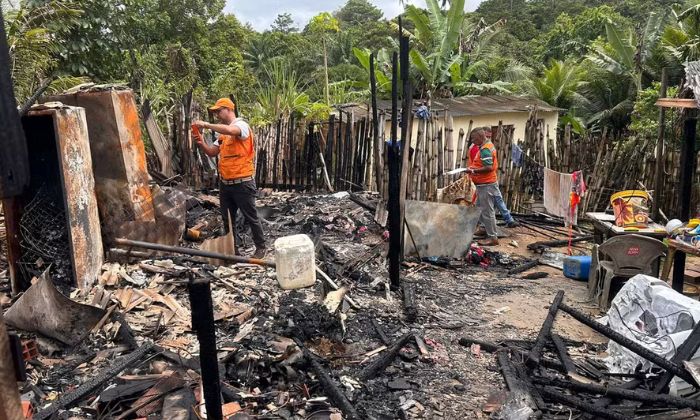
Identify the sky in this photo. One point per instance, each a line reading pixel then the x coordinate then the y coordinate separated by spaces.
pixel 261 13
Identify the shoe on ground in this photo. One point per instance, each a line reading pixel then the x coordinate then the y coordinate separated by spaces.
pixel 260 253
pixel 512 224
pixel 489 242
pixel 480 232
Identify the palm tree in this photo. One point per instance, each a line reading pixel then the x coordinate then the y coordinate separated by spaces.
pixel 619 68
pixel 280 92
pixel 627 53
pixel 436 38
pixel 682 40
pixel 33 44
pixel 559 85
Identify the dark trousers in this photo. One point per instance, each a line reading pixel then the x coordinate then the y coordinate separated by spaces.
pixel 241 197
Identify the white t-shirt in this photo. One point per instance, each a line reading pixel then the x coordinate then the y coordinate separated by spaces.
pixel 242 125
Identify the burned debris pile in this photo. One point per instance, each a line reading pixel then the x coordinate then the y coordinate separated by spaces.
pixel 546 380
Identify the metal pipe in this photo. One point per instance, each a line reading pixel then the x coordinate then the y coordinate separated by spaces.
pixel 193 252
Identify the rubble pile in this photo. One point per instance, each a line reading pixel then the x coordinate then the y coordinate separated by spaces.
pixel 544 379
pixel 279 351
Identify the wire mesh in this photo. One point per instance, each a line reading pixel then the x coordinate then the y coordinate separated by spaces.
pixel 44 235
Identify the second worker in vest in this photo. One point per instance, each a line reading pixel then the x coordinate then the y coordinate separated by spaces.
pixel 236 152
pixel 484 172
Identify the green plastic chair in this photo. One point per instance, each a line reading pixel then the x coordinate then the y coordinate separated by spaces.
pixel 622 256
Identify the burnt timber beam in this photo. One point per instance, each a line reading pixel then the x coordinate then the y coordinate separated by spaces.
pixel 533 358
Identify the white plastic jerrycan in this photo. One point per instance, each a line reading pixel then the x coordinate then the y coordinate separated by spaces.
pixel 295 258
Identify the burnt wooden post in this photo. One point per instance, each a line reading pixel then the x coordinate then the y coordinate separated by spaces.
pixel 688 159
pixel 14 164
pixel 394 205
pixel 329 145
pixel 375 126
pixel 659 181
pixel 533 358
pixel 277 153
pixel 203 324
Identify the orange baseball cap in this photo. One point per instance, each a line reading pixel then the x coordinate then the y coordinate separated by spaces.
pixel 223 103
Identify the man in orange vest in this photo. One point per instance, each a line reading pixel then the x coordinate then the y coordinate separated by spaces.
pixel 483 170
pixel 236 152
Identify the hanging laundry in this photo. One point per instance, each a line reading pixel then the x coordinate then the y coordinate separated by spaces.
pixel 562 194
pixel 516 156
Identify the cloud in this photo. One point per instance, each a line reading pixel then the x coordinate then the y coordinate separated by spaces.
pixel 261 13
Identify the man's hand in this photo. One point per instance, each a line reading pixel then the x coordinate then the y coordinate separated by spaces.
pixel 201 124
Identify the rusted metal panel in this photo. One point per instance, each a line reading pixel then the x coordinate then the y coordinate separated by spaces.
pixel 77 186
pixel 118 155
pixel 80 200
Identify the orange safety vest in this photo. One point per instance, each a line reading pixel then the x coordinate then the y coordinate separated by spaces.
pixel 486 177
pixel 236 157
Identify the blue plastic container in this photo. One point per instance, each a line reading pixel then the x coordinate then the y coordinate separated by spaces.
pixel 577 268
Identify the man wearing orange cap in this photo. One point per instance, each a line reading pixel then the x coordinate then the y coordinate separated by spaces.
pixel 235 149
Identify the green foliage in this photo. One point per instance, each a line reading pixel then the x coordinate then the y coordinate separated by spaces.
pixel 645 118
pixel 284 23
pixel 559 85
pixel 570 37
pixel 358 12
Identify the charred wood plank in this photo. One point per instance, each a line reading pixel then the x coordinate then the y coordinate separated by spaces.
pixel 563 354
pixel 14 163
pixel 627 394
pixel 557 243
pixel 329 387
pixel 519 390
pixel 524 267
pixel 409 302
pixel 533 358
pixel 580 404
pixel 376 367
pixel 67 400
pixel 491 347
pixel 380 331
pixel 620 339
pixel 684 352
pixel 203 324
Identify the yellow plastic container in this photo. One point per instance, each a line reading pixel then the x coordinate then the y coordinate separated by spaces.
pixel 631 208
pixel 693 223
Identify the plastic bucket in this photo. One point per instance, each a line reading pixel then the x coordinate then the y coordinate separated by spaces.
pixel 631 208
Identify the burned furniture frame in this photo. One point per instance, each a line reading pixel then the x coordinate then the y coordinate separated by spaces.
pixel 531 389
pixel 59 156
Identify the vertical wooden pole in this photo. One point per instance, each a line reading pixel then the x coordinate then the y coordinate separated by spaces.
pixel 658 178
pixel 688 163
pixel 379 172
pixel 203 325
pixel 394 180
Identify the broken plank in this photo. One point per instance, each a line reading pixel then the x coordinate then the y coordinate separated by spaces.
pixel 523 400
pixel 533 358
pixel 409 302
pixel 331 389
pixel 163 386
pixel 381 363
pixel 126 390
pixel 67 400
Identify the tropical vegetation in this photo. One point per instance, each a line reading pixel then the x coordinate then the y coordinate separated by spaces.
pixel 599 60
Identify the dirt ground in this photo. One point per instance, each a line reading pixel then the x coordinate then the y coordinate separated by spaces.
pixel 448 381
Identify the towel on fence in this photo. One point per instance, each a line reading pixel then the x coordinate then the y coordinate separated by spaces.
pixel 516 156
pixel 557 195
